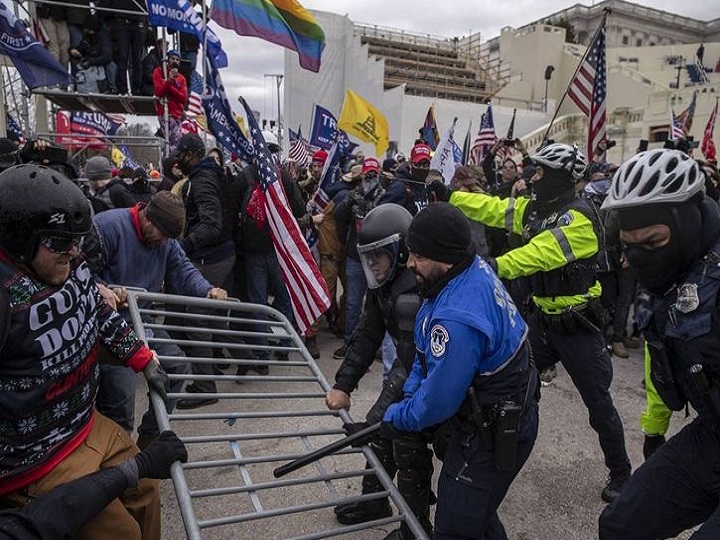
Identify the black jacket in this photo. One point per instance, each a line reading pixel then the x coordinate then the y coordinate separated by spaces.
pixel 207 236
pixel 350 213
pixel 380 314
pixel 255 234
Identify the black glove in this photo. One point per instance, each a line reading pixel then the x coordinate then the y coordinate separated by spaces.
pixel 156 459
pixel 387 431
pixel 157 379
pixel 351 428
pixel 437 191
pixel 652 443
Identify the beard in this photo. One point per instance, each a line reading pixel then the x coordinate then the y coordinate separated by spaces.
pixel 427 281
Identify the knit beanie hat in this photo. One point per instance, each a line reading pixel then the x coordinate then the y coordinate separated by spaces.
pixel 440 232
pixel 98 168
pixel 166 211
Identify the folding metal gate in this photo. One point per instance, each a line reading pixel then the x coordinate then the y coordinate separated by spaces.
pixel 227 488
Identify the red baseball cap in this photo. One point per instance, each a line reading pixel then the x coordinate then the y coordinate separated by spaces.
pixel 320 156
pixel 371 164
pixel 420 152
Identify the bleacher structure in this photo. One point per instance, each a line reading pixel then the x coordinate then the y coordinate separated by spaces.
pixel 428 66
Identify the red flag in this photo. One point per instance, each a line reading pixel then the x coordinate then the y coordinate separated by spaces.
pixel 588 89
pixel 308 291
pixel 708 145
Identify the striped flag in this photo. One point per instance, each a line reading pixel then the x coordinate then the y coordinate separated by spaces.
pixel 298 148
pixel 676 130
pixel 485 139
pixel 195 105
pixel 588 89
pixel 708 144
pixel 308 291
pixel 685 118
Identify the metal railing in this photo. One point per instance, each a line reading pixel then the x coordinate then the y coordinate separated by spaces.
pixel 227 489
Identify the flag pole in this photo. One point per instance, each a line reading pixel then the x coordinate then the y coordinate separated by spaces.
pixel 582 60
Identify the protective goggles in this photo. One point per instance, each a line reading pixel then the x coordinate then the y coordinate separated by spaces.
pixel 379 259
pixel 61 244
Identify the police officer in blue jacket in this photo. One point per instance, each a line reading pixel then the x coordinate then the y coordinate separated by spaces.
pixel 474 369
pixel 670 232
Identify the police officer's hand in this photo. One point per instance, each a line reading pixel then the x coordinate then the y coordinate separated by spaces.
pixel 437 191
pixel 156 459
pixel 351 428
pixel 337 399
pixel 652 443
pixel 157 379
pixel 387 431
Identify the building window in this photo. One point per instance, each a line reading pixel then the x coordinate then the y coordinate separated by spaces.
pixel 659 133
pixel 639 42
pixel 625 40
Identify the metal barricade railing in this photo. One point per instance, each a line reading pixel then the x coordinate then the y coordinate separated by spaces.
pixel 227 488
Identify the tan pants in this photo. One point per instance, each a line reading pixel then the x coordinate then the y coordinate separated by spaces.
pixel 134 516
pixel 330 269
pixel 59 45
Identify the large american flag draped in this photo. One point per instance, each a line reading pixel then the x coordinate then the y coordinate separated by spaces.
pixel 589 89
pixel 485 139
pixel 197 89
pixel 307 288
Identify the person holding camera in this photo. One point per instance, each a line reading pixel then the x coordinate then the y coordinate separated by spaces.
pixel 500 182
pixel 472 366
pixel 560 235
pixel 170 90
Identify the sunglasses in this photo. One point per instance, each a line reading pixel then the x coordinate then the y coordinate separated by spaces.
pixel 61 244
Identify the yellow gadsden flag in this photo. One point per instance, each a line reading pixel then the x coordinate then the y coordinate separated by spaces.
pixel 117 157
pixel 364 121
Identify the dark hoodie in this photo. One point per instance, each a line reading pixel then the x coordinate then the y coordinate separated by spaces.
pixel 405 191
pixel 207 238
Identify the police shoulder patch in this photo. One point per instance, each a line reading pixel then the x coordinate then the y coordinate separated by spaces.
pixel 439 338
pixel 565 219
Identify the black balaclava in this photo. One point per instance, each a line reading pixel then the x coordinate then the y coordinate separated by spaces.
pixel 658 270
pixel 555 183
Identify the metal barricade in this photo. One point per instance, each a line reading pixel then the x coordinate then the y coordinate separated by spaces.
pixel 227 489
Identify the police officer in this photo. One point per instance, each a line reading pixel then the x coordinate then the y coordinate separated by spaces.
pixel 390 306
pixel 473 368
pixel 671 235
pixel 560 243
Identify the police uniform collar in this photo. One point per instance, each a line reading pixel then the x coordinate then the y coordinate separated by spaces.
pixel 451 274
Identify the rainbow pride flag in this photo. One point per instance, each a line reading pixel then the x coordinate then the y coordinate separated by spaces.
pixel 283 22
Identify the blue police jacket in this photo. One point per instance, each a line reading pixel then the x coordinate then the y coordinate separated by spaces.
pixel 471 328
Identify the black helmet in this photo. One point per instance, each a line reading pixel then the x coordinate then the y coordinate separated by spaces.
pixel 37 200
pixel 381 242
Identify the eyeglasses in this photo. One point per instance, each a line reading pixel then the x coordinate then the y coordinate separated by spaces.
pixel 61 244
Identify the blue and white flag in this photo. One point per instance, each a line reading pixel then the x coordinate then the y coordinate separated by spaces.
pixel 180 15
pixel 36 66
pixel 324 132
pixel 448 155
pixel 220 118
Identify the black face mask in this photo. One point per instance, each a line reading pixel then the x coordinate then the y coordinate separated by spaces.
pixel 548 188
pixel 185 165
pixel 656 269
pixel 419 175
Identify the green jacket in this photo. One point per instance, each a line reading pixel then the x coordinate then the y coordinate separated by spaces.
pixel 569 237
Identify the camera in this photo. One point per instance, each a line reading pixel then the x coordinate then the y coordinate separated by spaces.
pixel 610 143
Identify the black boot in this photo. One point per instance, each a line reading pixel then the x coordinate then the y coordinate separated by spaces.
pixel 360 512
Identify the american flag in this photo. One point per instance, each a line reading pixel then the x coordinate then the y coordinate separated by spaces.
pixel 195 105
pixel 308 291
pixel 298 149
pixel 13 128
pixel 685 118
pixel 676 129
pixel 708 144
pixel 485 139
pixel 588 89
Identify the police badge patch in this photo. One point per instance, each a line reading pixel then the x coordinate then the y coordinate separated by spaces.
pixel 687 298
pixel 565 220
pixel 438 339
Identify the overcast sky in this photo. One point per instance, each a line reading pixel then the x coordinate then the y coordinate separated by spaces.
pixel 250 58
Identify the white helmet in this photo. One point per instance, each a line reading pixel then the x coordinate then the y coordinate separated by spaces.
pixel 655 176
pixel 563 156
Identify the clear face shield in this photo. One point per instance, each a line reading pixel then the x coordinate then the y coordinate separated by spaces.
pixel 378 260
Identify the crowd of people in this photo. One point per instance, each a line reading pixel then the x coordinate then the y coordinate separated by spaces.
pixel 558 249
